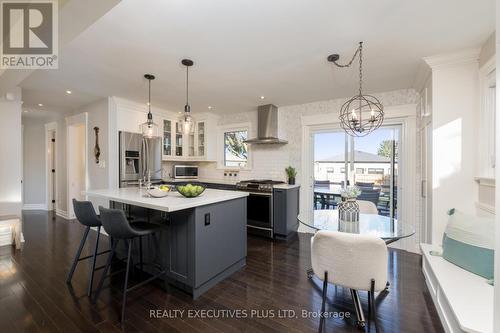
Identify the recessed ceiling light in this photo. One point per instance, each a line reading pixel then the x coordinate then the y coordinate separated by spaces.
pixel 211 107
pixel 25 111
pixel 179 112
pixel 262 97
pixel 147 103
pixel 40 104
pixel 69 92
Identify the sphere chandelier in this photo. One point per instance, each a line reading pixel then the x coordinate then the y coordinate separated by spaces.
pixel 361 114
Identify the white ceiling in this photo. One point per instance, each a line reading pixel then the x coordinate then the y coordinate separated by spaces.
pixel 245 49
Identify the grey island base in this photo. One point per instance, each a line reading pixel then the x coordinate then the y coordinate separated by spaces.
pixel 205 238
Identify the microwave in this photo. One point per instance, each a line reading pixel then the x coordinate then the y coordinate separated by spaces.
pixel 185 171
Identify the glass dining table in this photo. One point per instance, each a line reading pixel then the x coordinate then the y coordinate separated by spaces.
pixel 388 229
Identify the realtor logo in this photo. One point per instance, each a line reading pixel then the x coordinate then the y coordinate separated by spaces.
pixel 29 37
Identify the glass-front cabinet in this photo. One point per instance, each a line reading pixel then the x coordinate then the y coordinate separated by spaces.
pixel 178 139
pixel 190 144
pixel 200 138
pixel 178 146
pixel 167 138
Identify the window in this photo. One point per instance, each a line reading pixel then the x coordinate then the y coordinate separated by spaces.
pixel 375 171
pixel 330 170
pixel 235 150
pixel 342 170
pixel 360 170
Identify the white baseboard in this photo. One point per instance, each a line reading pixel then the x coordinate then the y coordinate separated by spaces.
pixel 34 207
pixel 62 213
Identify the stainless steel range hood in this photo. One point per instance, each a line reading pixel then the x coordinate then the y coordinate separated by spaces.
pixel 267 130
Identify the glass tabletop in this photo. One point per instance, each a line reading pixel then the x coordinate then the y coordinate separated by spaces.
pixel 389 229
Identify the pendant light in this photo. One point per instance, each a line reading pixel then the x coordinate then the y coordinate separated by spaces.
pixel 187 120
pixel 361 114
pixel 149 128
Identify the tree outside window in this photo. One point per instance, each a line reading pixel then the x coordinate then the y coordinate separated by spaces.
pixel 235 149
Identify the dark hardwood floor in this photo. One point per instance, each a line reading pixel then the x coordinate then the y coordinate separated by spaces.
pixel 35 298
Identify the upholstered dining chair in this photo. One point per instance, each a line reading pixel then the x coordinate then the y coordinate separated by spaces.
pixel 367 207
pixel 354 261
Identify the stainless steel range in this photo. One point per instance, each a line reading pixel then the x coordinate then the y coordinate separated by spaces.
pixel 260 216
pixel 258 185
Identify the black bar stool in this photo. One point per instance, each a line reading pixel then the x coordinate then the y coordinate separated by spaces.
pixel 118 228
pixel 87 216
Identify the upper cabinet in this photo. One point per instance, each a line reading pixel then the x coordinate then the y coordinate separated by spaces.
pixel 176 146
pixel 167 138
pixel 199 145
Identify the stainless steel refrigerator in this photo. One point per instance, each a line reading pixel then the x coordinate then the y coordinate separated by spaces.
pixel 138 156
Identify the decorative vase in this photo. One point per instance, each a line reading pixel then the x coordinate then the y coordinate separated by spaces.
pixel 349 210
pixel 291 181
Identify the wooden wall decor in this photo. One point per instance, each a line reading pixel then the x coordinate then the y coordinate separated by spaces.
pixel 97 149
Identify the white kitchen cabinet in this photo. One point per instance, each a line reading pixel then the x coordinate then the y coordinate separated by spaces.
pixel 195 146
pixel 168 138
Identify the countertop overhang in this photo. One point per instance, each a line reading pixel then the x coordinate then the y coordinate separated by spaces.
pixel 174 201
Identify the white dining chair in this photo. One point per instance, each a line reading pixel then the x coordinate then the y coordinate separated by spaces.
pixel 357 262
pixel 367 207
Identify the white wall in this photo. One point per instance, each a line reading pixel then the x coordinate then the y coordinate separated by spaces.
pixel 76 168
pixel 455 112
pixel 98 173
pixel 11 152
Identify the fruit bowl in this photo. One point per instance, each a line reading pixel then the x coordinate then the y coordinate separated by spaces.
pixel 159 192
pixel 190 190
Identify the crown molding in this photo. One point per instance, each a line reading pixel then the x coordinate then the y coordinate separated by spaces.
pixel 423 73
pixel 453 59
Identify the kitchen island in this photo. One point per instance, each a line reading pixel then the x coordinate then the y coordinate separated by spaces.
pixel 204 240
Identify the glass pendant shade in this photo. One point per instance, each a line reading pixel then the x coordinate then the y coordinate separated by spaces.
pixel 149 129
pixel 187 122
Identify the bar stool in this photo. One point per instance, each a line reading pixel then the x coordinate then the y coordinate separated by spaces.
pixel 118 228
pixel 87 216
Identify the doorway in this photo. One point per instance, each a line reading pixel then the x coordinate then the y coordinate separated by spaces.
pixel 369 162
pixel 76 158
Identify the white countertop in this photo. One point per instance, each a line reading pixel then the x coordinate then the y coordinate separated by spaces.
pixel 286 186
pixel 174 201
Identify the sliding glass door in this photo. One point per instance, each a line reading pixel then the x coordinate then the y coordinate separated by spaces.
pixel 370 162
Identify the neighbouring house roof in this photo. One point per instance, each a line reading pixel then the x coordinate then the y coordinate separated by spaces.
pixel 359 156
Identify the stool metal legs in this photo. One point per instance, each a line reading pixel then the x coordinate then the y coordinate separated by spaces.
pixel 114 243
pixel 92 268
pixel 126 288
pixel 77 256
pixel 127 270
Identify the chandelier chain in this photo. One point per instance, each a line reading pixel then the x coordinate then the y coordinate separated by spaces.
pixel 360 49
